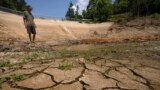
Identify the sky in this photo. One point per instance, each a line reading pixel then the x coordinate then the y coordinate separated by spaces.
pixel 54 8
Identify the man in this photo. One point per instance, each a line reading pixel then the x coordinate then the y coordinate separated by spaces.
pixel 29 23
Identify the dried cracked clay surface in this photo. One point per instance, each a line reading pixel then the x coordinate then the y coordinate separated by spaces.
pixel 83 70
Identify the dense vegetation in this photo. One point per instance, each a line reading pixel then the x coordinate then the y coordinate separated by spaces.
pixel 13 4
pixel 137 7
pixel 103 10
pixel 73 14
pixel 70 13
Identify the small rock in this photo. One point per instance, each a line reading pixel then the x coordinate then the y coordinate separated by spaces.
pixel 81 60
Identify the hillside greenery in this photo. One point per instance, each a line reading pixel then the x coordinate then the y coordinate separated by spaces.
pixel 18 5
pixel 107 10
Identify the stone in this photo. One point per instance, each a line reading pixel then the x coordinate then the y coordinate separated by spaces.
pixel 81 60
pixel 37 82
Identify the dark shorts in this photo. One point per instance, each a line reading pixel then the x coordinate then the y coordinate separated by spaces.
pixel 31 30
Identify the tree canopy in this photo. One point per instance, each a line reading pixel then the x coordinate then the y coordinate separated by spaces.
pixel 101 10
pixel 14 4
pixel 70 13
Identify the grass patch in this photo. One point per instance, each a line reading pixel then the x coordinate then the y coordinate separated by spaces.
pixel 65 66
pixel 16 77
pixel 21 63
pixel 6 64
pixel 68 53
pixel 113 50
pixel 91 53
pixel 2 80
pixel 48 55
pixel 32 56
pixel 39 56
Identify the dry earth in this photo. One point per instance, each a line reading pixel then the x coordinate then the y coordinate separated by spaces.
pixel 76 56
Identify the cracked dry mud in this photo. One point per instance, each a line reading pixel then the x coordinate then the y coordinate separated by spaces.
pixel 103 73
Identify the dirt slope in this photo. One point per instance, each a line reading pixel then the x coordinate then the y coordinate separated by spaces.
pixel 47 29
pixel 55 30
pixel 110 66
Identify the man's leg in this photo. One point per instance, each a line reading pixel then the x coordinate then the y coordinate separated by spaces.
pixel 30 37
pixel 33 30
pixel 34 36
pixel 29 33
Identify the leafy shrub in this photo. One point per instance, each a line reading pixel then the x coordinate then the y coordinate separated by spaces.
pixel 65 66
pixel 124 17
pixel 155 16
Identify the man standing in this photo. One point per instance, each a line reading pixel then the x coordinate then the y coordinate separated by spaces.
pixel 29 23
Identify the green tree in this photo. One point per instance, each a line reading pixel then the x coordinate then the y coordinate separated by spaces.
pixel 84 14
pixel 78 16
pixel 70 13
pixel 99 10
pixel 21 5
pixel 120 6
pixel 138 7
pixel 153 6
pixel 13 4
pixel 77 10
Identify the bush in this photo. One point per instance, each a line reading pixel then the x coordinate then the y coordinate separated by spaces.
pixel 155 16
pixel 124 17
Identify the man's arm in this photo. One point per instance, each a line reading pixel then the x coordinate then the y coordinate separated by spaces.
pixel 34 22
pixel 25 19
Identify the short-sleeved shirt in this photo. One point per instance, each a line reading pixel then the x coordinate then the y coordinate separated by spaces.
pixel 29 18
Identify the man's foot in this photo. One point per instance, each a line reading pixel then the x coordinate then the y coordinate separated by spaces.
pixel 27 42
